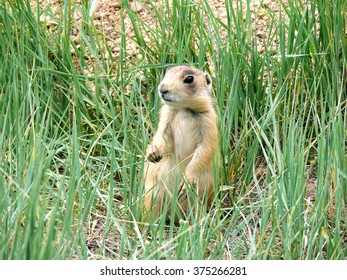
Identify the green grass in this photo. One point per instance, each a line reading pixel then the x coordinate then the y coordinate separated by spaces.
pixel 72 144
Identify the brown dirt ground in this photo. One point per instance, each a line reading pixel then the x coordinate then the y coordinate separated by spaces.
pixel 107 18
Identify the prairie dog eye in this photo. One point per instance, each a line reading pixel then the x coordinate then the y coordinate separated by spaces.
pixel 188 80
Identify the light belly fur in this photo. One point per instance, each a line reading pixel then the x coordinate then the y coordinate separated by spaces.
pixel 186 137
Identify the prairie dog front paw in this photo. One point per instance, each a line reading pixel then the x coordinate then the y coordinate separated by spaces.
pixel 153 154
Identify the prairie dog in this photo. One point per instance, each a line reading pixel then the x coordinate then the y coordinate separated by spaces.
pixel 184 148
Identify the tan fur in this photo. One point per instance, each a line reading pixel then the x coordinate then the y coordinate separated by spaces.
pixel 184 147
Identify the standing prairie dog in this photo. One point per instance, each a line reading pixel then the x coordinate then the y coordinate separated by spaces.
pixel 184 148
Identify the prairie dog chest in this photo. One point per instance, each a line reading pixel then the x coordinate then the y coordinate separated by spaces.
pixel 186 134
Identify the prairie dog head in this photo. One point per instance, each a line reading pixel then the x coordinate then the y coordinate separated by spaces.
pixel 185 87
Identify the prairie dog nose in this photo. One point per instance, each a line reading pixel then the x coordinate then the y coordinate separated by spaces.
pixel 163 89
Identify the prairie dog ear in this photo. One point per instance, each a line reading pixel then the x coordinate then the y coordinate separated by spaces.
pixel 208 82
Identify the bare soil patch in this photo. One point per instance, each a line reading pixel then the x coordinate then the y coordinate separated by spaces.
pixel 106 16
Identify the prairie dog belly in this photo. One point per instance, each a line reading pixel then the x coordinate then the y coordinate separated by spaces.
pixel 187 136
